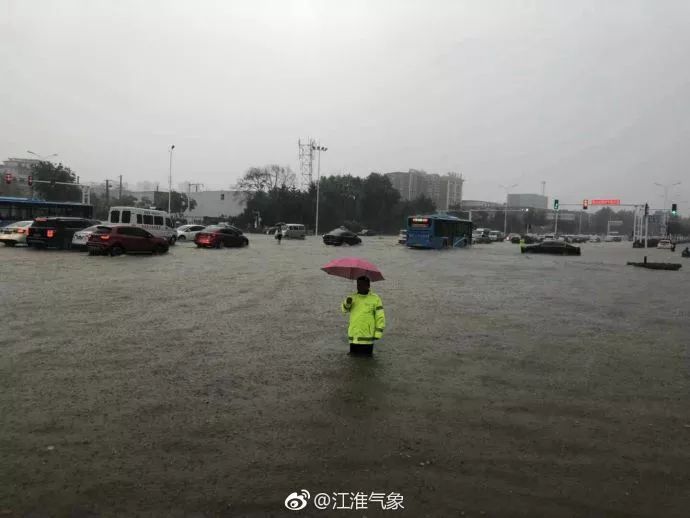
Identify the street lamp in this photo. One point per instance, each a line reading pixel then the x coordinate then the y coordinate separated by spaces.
pixel 43 158
pixel 170 180
pixel 666 187
pixel 505 209
pixel 318 148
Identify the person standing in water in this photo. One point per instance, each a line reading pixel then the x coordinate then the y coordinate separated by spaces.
pixel 367 319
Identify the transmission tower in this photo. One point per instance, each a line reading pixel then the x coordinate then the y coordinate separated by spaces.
pixel 306 161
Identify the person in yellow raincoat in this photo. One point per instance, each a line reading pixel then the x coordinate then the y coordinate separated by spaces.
pixel 367 319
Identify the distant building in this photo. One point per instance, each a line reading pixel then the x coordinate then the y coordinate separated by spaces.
pixel 444 190
pixel 528 201
pixel 19 168
pixel 140 195
pixel 214 204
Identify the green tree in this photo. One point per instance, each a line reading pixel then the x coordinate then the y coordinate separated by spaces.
pixel 264 179
pixel 178 202
pixel 48 172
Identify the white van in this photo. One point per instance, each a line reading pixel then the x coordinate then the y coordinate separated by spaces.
pixel 294 231
pixel 155 221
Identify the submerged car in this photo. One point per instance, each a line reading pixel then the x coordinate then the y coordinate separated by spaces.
pixel 81 238
pixel 188 232
pixel 123 239
pixel 15 233
pixel 552 247
pixel 402 237
pixel 665 244
pixel 480 238
pixel 339 236
pixel 55 232
pixel 220 236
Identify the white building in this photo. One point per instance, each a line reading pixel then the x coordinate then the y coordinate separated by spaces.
pixel 215 204
pixel 444 190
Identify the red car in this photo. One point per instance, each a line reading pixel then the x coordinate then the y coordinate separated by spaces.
pixel 118 240
pixel 219 237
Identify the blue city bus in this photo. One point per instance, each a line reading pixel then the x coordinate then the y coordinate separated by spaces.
pixel 438 231
pixel 24 209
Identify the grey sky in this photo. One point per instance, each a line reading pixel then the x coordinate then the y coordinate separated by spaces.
pixel 591 97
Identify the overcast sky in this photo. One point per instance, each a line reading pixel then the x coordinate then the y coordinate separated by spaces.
pixel 591 97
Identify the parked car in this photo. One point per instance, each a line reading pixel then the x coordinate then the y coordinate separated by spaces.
pixel 513 238
pixel 552 247
pixel 594 239
pixel 402 237
pixel 339 236
pixel 55 232
pixel 81 237
pixel 495 235
pixel 188 232
pixel 528 238
pixel 125 239
pixel 15 233
pixel 217 236
pixel 479 238
pixel 294 231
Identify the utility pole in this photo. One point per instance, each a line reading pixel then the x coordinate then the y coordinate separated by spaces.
pixel 505 211
pixel 646 224
pixel 170 179
pixel 543 188
pixel 318 148
pixel 120 193
pixel 107 193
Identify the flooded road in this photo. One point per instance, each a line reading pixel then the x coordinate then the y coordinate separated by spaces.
pixel 217 382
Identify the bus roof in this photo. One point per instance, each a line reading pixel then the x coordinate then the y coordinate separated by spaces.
pixel 34 201
pixel 445 217
pixel 142 209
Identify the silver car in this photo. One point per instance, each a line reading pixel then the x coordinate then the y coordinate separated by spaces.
pixel 15 233
pixel 188 232
pixel 81 237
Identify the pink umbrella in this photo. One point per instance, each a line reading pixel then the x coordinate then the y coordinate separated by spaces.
pixel 352 267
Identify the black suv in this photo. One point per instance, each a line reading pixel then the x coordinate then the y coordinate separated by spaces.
pixel 56 232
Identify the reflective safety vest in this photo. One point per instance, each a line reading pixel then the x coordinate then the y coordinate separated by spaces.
pixel 367 320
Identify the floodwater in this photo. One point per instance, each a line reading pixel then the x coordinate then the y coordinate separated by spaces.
pixel 217 382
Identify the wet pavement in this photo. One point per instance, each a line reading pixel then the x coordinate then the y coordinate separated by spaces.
pixel 216 382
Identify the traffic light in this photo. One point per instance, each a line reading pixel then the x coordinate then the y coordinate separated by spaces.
pixel 674 209
pixel 555 204
pixel 646 209
pixel 30 181
pixel 585 204
pixel 8 178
